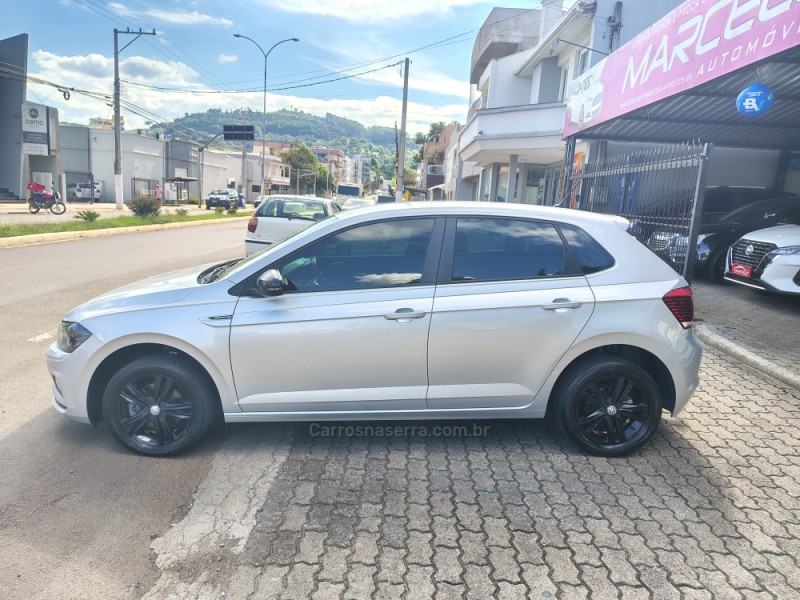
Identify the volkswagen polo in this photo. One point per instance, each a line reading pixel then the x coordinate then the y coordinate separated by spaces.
pixel 449 310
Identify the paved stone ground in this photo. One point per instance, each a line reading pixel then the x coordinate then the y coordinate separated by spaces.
pixel 709 509
pixel 766 325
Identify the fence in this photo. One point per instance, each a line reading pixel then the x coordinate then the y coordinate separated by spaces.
pixel 659 190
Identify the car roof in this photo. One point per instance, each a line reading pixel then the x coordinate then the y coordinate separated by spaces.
pixel 496 209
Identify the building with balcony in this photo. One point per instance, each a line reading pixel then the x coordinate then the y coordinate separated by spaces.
pixel 523 62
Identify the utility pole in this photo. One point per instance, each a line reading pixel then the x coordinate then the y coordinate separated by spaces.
pixel 401 158
pixel 117 125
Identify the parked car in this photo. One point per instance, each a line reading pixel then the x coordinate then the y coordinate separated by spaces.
pixel 767 259
pixel 358 203
pixel 279 217
pixel 224 197
pixel 715 235
pixel 436 310
pixel 82 191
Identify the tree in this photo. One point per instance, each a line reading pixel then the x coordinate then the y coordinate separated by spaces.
pixel 302 162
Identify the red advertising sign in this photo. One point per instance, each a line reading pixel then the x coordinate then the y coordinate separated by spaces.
pixel 697 42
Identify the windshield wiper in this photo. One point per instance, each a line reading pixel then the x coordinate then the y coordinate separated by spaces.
pixel 215 272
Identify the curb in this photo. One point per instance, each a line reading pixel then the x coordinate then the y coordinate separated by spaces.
pixel 44 238
pixel 748 357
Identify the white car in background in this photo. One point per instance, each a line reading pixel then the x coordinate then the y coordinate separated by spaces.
pixel 358 203
pixel 280 217
pixel 767 259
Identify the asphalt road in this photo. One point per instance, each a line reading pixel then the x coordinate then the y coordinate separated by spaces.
pixel 77 511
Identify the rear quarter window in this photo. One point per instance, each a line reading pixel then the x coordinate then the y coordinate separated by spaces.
pixel 589 255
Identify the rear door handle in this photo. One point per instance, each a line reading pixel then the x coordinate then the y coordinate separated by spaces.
pixel 404 315
pixel 562 303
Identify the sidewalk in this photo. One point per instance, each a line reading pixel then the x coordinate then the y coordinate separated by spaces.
pixel 17 212
pixel 759 329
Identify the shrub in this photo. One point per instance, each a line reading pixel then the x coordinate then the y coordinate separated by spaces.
pixel 144 206
pixel 231 211
pixel 181 212
pixel 194 201
pixel 87 215
pixel 219 210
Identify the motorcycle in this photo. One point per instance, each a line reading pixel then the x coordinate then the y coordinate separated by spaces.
pixel 42 199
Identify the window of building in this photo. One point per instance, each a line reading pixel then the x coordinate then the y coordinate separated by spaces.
pixel 582 62
pixel 562 85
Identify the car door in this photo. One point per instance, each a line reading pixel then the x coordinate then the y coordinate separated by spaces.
pixel 350 331
pixel 509 304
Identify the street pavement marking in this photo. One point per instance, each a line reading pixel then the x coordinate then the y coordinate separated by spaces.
pixel 47 335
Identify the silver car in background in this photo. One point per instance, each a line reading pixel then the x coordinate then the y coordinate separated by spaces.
pixel 437 310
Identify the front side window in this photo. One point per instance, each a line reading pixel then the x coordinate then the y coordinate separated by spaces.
pixel 506 249
pixel 376 255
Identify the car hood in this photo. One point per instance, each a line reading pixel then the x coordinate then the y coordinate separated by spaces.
pixel 159 290
pixel 780 235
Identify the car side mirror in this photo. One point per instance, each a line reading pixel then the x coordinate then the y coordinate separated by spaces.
pixel 270 283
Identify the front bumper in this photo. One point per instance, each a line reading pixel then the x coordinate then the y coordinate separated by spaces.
pixel 70 381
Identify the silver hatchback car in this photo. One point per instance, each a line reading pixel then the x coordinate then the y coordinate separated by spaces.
pixel 401 311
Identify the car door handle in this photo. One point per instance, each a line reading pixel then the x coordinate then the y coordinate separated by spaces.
pixel 404 314
pixel 562 303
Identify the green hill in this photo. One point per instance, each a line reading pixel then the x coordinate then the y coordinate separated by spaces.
pixel 290 126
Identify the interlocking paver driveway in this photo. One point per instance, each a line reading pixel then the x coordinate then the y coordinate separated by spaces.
pixel 710 509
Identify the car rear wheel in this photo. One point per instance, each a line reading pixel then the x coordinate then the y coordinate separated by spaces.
pixel 607 406
pixel 159 405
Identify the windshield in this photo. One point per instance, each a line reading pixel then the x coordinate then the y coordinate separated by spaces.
pixel 221 192
pixel 293 208
pixel 759 211
pixel 245 262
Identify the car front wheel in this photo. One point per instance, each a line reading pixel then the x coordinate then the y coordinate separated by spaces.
pixel 159 405
pixel 607 406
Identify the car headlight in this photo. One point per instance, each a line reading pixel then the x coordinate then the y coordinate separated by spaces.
pixel 71 336
pixel 785 251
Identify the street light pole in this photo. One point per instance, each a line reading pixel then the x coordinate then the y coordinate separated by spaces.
pixel 264 111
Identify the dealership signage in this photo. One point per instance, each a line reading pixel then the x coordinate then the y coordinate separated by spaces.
pixel 755 100
pixel 697 42
pixel 35 129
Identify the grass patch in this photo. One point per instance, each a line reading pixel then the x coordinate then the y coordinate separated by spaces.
pixel 17 229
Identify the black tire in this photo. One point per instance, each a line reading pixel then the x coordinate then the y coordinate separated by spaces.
pixel 58 208
pixel 34 208
pixel 716 266
pixel 159 405
pixel 607 406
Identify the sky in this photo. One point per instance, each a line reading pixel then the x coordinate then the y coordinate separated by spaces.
pixel 194 62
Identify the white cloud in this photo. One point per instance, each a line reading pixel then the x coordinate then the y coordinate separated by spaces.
pixel 187 18
pixel 95 73
pixel 227 58
pixel 370 10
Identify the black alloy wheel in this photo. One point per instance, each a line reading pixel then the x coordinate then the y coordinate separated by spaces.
pixel 159 405
pixel 608 406
pixel 58 208
pixel 33 207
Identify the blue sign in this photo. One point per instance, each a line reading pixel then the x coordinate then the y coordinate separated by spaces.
pixel 794 164
pixel 755 100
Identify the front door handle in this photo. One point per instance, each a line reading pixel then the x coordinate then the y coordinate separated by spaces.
pixel 562 303
pixel 404 315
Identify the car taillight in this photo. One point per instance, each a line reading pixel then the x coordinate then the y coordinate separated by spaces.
pixel 252 224
pixel 681 305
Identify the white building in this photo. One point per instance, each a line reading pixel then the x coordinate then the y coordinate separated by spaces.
pixel 522 64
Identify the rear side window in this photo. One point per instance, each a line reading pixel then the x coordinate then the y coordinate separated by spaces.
pixel 589 254
pixel 506 249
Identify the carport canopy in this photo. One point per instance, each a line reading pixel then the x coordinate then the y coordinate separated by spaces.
pixel 680 79
pixel 708 112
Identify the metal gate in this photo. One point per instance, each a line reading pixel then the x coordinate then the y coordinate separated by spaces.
pixel 659 190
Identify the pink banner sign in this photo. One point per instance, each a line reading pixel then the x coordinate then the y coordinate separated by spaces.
pixel 697 42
